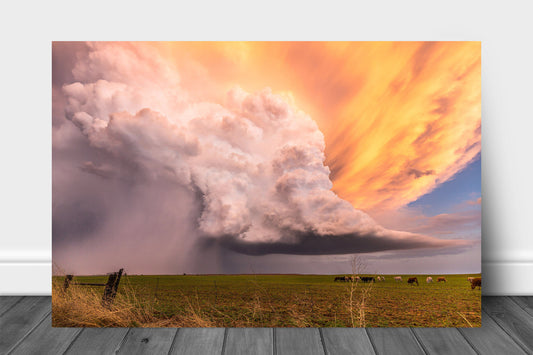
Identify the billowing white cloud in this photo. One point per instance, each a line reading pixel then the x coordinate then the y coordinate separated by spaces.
pixel 256 159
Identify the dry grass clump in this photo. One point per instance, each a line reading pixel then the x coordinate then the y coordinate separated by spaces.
pixel 81 306
pixel 195 316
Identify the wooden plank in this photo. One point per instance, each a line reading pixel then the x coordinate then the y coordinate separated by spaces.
pixel 46 340
pixel 525 302
pixel 298 341
pixel 490 339
pixel 249 341
pixel 347 341
pixel 20 319
pixel 204 341
pixel 394 341
pixel 98 341
pixel 512 318
pixel 443 341
pixel 148 341
pixel 6 302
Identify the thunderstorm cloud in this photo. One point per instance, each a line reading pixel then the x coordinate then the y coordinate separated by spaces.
pixel 144 162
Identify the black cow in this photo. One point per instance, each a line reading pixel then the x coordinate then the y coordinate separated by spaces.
pixel 368 279
pixel 412 281
pixel 341 278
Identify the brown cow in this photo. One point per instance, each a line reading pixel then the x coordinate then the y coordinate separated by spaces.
pixel 443 279
pixel 476 283
pixel 412 281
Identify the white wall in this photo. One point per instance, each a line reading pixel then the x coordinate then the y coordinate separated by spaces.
pixel 27 28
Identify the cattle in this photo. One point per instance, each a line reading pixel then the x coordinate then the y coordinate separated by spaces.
pixel 443 279
pixel 383 278
pixel 429 279
pixel 398 278
pixel 379 278
pixel 357 279
pixel 368 279
pixel 476 282
pixel 470 279
pixel 346 278
pixel 412 281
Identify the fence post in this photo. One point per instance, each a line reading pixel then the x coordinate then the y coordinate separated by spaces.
pixel 111 287
pixel 66 283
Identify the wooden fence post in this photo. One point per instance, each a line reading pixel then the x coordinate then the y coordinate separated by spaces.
pixel 110 290
pixel 66 283
pixel 111 287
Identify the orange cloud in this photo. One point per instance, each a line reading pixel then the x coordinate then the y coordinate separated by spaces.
pixel 413 127
pixel 475 202
pixel 399 118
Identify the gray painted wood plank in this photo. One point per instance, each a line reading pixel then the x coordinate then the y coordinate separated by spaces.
pixel 298 341
pixel 20 319
pixel 347 341
pixel 490 339
pixel 6 302
pixel 512 319
pixel 46 340
pixel 525 302
pixel 249 341
pixel 98 341
pixel 399 340
pixel 148 341
pixel 205 341
pixel 443 341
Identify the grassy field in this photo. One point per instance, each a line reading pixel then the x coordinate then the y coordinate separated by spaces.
pixel 268 301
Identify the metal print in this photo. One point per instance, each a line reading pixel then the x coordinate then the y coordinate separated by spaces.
pixel 266 184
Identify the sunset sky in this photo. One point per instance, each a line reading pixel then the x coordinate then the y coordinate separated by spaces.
pixel 266 157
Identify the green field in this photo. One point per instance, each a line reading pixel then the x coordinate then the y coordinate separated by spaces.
pixel 285 301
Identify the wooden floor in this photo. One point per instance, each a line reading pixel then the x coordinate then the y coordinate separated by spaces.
pixel 507 329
